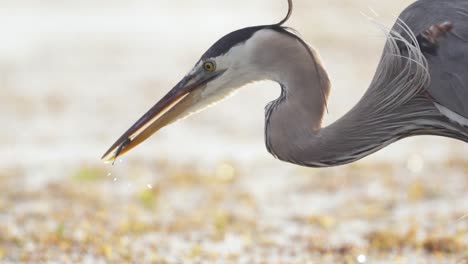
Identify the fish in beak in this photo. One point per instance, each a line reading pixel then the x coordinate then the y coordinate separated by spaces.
pixel 175 105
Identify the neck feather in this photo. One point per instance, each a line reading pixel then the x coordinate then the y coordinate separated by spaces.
pixel 391 109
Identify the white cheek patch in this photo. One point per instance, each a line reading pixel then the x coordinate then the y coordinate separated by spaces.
pixel 240 70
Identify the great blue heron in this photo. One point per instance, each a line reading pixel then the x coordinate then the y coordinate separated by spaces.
pixel 420 88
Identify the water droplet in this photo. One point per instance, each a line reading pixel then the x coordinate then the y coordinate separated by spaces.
pixel 109 174
pixel 115 179
pixel 149 186
pixel 120 161
pixel 361 259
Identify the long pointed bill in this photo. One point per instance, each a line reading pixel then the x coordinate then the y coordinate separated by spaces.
pixel 167 110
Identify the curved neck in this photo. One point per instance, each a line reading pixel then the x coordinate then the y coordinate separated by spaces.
pixel 390 110
pixel 393 107
pixel 294 131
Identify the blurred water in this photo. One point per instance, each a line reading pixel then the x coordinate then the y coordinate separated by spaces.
pixel 74 75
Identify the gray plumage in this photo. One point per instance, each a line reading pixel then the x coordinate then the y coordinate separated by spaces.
pixel 399 103
pixel 449 68
pixel 419 88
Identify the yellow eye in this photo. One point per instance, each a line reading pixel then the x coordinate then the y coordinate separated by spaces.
pixel 209 66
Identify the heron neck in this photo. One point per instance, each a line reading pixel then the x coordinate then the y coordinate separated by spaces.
pixel 391 109
pixel 294 131
pixel 295 134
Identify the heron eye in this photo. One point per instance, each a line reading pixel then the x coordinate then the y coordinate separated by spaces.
pixel 209 66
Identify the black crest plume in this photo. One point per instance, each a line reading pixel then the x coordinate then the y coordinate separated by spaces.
pixel 288 15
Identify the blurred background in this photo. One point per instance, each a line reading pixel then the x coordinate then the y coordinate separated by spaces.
pixel 74 75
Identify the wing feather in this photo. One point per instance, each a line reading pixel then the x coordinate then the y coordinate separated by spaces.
pixel 448 68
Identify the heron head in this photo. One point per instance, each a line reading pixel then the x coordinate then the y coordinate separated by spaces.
pixel 227 65
pixel 222 69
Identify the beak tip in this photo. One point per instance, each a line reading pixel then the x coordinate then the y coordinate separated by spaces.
pixel 108 158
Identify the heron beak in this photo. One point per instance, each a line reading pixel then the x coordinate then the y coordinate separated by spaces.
pixel 166 111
